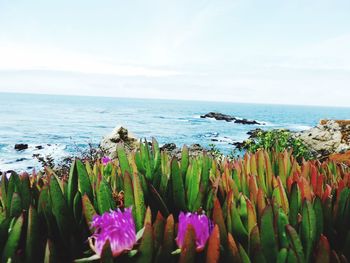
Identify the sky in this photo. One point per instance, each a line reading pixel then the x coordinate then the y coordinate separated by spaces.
pixel 272 51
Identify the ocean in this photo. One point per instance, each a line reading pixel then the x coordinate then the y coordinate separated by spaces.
pixel 63 125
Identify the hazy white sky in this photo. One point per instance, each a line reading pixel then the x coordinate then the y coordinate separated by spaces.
pixel 294 52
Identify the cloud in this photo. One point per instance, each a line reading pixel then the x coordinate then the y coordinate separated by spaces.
pixel 15 57
pixel 332 54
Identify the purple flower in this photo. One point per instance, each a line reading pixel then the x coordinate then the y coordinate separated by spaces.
pixel 106 160
pixel 116 226
pixel 202 226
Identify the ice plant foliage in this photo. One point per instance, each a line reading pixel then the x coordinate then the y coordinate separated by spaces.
pixel 202 226
pixel 116 226
pixel 106 160
pixel 268 207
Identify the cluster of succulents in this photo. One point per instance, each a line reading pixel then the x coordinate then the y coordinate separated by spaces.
pixel 145 206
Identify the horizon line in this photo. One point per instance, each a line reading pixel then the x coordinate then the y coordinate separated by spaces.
pixel 170 99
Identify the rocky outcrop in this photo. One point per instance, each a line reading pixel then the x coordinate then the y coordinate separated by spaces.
pixel 171 148
pixel 21 146
pixel 119 135
pixel 328 137
pixel 224 117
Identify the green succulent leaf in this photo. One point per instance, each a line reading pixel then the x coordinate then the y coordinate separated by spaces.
pixel 13 240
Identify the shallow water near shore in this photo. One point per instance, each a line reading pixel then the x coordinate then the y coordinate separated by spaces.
pixel 63 125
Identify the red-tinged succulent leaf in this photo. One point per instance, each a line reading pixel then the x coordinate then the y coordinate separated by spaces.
pixel 25 191
pixel 327 192
pixel 306 189
pixel 252 220
pixel 253 188
pixel 323 250
pixel 148 217
pixel 158 230
pixel 334 258
pixel 88 209
pixel 168 244
pixel 283 196
pixel 188 250
pixel 255 249
pixel 319 186
pixel 290 181
pixel 146 249
pixel 213 249
pixel 33 244
pixel 253 168
pixel 261 203
pixel 267 234
pixel 313 176
pixel 233 252
pixel 295 243
pixel 218 219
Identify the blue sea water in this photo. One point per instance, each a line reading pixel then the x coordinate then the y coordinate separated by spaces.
pixel 61 124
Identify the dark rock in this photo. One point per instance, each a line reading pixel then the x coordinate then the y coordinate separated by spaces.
pixel 245 121
pixel 220 116
pixel 214 140
pixel 254 133
pixel 21 159
pixel 239 145
pixel 21 146
pixel 39 147
pixel 195 148
pixel 168 147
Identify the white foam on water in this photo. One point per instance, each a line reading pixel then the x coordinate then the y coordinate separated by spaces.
pixel 25 161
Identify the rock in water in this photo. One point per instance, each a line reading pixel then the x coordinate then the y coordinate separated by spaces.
pixel 224 117
pixel 219 116
pixel 330 136
pixel 21 146
pixel 119 135
pixel 168 147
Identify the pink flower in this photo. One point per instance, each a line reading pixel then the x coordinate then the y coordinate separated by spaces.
pixel 106 160
pixel 202 226
pixel 116 226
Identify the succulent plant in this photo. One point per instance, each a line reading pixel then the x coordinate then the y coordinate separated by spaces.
pixel 264 207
